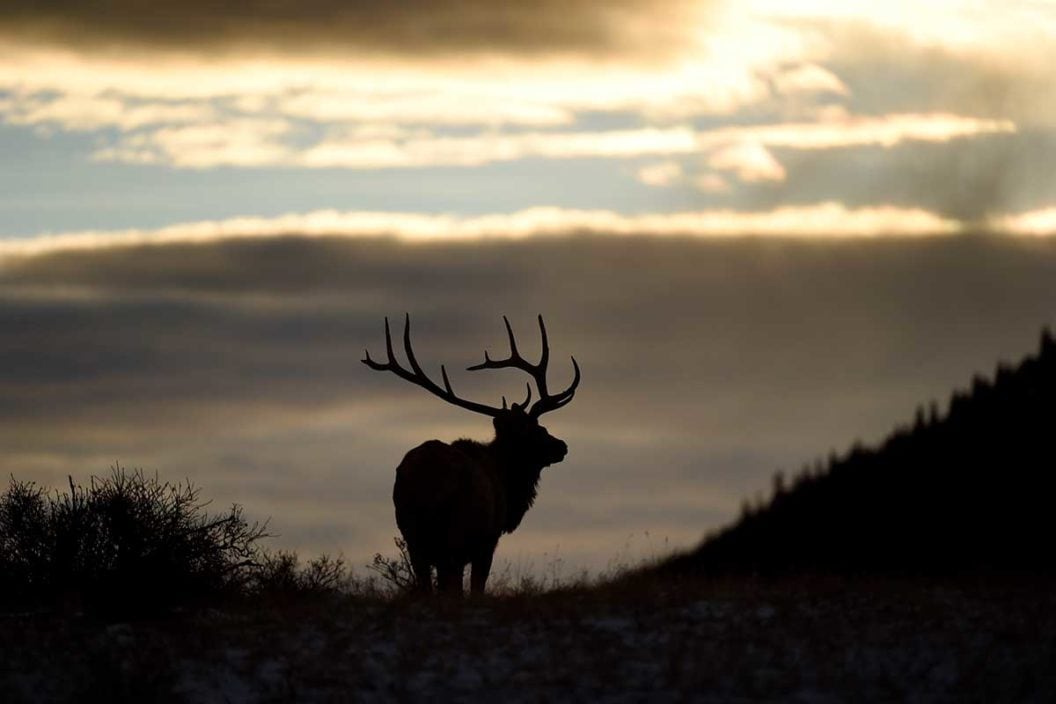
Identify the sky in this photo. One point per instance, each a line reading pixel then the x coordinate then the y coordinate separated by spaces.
pixel 765 229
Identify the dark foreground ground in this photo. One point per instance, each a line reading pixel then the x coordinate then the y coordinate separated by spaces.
pixel 729 640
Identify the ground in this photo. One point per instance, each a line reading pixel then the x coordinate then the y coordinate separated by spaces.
pixel 809 640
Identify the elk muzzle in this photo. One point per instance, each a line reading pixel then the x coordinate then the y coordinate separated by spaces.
pixel 555 451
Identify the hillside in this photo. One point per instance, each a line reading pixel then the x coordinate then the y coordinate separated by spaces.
pixel 711 641
pixel 967 491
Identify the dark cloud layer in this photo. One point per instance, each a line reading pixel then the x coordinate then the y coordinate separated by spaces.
pixel 707 365
pixel 967 180
pixel 887 71
pixel 408 27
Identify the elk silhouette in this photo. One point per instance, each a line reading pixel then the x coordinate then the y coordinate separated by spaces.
pixel 453 501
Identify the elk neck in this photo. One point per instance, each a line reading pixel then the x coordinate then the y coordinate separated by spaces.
pixel 519 479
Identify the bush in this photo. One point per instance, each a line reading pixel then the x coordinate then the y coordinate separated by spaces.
pixel 395 574
pixel 281 575
pixel 126 543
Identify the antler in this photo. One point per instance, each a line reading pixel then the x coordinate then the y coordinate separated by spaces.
pixel 419 377
pixel 546 402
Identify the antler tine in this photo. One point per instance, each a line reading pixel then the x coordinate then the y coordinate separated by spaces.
pixel 552 403
pixel 407 349
pixel 378 366
pixel 515 360
pixel 417 376
pixel 388 341
pixel 544 357
pixel 546 402
pixel 528 398
pixel 514 354
pixel 447 382
pixel 525 402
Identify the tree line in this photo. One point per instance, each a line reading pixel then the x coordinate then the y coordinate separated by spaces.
pixel 967 490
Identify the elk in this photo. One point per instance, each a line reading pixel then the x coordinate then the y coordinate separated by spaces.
pixel 454 500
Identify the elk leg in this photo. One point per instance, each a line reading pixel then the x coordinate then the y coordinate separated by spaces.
pixel 423 574
pixel 449 579
pixel 481 569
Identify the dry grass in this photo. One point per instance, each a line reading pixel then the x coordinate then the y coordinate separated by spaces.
pixel 316 632
pixel 637 639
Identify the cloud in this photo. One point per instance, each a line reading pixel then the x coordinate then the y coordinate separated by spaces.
pixel 750 85
pixel 968 180
pixel 720 58
pixel 404 27
pixel 968 26
pixel 711 183
pixel 433 107
pixel 541 92
pixel 70 91
pixel 95 112
pixel 1001 72
pixel 809 78
pixel 519 89
pixel 1036 223
pixel 537 91
pixel 240 142
pixel 851 131
pixel 248 142
pixel 750 161
pixel 482 149
pixel 663 173
pixel 823 220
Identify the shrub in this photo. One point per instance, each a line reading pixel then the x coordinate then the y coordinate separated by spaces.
pixel 396 575
pixel 280 575
pixel 125 543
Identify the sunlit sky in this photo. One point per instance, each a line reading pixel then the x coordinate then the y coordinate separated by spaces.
pixel 903 116
pixel 765 228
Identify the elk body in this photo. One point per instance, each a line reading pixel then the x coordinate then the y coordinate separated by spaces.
pixel 455 500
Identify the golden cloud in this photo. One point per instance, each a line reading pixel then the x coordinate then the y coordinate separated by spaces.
pixel 663 173
pixel 750 161
pixel 823 220
pixel 1033 223
pixel 247 142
